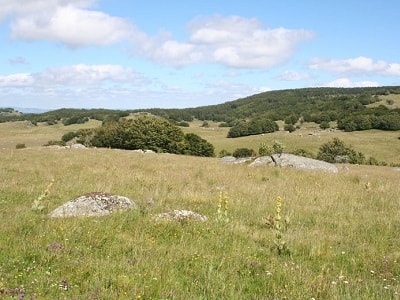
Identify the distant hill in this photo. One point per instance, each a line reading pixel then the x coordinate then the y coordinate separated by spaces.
pixel 30 110
pixel 352 108
pixel 311 103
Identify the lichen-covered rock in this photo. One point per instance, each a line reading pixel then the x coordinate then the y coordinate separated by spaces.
pixel 303 163
pixel 181 215
pixel 295 162
pixel 93 205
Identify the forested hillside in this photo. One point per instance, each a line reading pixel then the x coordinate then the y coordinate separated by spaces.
pixel 310 104
pixel 350 107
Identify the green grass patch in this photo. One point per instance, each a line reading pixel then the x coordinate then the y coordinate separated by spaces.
pixel 343 233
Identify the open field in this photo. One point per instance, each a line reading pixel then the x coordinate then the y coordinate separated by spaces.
pixel 390 101
pixel 343 231
pixel 383 145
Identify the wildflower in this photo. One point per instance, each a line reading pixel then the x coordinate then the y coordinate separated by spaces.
pixel 222 210
pixel 37 204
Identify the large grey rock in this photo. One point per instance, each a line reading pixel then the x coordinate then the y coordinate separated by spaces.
pixel 304 163
pixel 93 205
pixel 262 161
pixel 295 162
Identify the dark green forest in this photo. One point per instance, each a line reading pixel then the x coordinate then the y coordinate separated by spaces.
pixel 349 107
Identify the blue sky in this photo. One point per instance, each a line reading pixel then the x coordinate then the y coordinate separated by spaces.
pixel 128 54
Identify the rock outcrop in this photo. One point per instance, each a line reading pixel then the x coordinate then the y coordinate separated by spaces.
pixel 295 162
pixel 93 205
pixel 284 160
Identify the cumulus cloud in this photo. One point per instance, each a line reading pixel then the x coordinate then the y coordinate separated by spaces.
pixel 23 8
pixel 72 26
pixel 347 83
pixel 16 80
pixel 85 74
pixel 356 65
pixel 76 75
pixel 245 43
pixel 232 41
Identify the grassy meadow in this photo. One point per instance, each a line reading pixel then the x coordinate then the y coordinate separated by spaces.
pixel 337 236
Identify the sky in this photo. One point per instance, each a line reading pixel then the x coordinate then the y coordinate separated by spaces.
pixel 128 54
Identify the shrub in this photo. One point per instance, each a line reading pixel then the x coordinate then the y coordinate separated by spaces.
pixel 224 153
pixel 276 148
pixel 289 127
pixel 324 125
pixel 183 124
pixel 265 150
pixel 197 146
pixel 243 152
pixel 68 136
pixel 336 148
pixel 256 126
pixel 55 143
pixel 304 153
pixel 20 146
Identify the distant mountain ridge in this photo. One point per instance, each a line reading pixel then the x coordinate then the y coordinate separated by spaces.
pixel 350 107
pixel 31 110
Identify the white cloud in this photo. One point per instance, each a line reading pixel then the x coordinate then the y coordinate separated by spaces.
pixel 172 52
pixel 23 8
pixel 356 65
pixel 347 83
pixel 72 26
pixel 85 74
pixel 16 80
pixel 244 43
pixel 293 76
pixel 69 76
pixel 232 41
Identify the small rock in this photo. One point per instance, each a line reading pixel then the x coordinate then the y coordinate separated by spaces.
pixel 181 215
pixel 93 205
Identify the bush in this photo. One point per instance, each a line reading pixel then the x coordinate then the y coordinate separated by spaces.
pixel 183 124
pixel 324 125
pixel 243 152
pixel 68 136
pixel 304 153
pixel 289 127
pixel 266 150
pixel 197 146
pixel 224 153
pixel 256 126
pixel 20 146
pixel 55 143
pixel 336 148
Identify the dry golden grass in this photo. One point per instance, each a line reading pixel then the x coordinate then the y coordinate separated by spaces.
pixel 342 227
pixel 383 145
pixel 343 233
pixel 384 101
